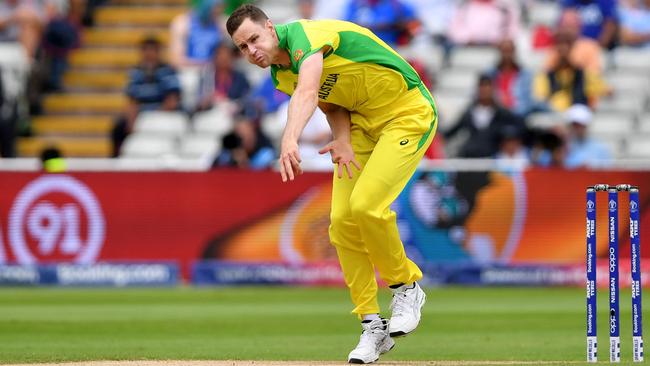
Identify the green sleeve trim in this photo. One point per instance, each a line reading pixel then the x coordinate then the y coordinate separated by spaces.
pixel 274 75
pixel 434 123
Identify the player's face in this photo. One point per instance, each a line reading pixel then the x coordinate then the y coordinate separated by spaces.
pixel 257 42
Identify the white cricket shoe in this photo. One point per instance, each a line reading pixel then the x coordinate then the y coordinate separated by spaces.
pixel 373 342
pixel 406 305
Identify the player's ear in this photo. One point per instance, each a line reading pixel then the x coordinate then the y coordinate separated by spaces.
pixel 269 25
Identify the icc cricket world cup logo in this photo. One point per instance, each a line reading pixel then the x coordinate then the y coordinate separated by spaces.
pixel 612 205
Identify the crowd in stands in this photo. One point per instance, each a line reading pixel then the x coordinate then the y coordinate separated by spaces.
pixel 518 67
pixel 46 31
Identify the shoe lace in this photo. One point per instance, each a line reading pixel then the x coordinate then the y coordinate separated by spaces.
pixel 401 303
pixel 372 334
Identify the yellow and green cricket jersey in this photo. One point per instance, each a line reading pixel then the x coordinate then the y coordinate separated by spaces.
pixel 360 72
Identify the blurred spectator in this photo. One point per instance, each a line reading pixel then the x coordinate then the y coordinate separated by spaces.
pixel 88 17
pixel 195 35
pixel 330 9
pixel 586 53
pixel 264 99
pixel 220 82
pixel 484 22
pixel 566 84
pixel 61 35
pixel 513 156
pixel 306 9
pixel 8 122
pixel 483 120
pixel 246 148
pixel 513 83
pixel 635 23
pixel 317 133
pixel 599 19
pixel 153 85
pixel 435 17
pixel 391 20
pixel 584 151
pixel 21 21
pixel 52 160
pixel 549 150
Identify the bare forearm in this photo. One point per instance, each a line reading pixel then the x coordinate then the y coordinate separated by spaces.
pixel 4 22
pixel 339 121
pixel 171 102
pixel 608 33
pixel 301 107
pixel 340 124
pixel 630 38
pixel 131 113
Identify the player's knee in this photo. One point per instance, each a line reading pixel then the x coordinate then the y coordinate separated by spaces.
pixel 338 220
pixel 334 234
pixel 360 207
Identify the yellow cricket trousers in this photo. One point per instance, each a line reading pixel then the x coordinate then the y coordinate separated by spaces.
pixel 363 228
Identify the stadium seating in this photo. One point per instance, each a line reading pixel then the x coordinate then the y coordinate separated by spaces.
pixel 615 144
pixel 638 147
pixel 14 66
pixel 166 124
pixel 197 146
pixel 450 106
pixel 626 58
pixel 473 58
pixel 457 81
pixel 627 103
pixel 94 86
pixel 543 13
pixel 189 79
pixel 628 81
pixel 644 123
pixel 612 124
pixel 544 120
pixel 148 146
pixel 215 122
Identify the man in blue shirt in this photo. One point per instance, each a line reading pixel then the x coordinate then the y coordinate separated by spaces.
pixel 599 19
pixel 584 151
pixel 153 85
pixel 388 19
pixel 635 23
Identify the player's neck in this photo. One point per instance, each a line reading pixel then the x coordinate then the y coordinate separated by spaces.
pixel 283 60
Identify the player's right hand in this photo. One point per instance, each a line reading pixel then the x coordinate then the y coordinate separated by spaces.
pixel 289 160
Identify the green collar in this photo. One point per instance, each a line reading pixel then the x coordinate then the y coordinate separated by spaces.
pixel 282 30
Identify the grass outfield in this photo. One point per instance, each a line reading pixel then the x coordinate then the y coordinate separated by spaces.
pixel 279 323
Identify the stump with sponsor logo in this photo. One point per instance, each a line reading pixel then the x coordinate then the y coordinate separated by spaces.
pixel 613 261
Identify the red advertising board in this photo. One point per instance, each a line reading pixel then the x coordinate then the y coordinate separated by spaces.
pixel 89 217
pixel 537 217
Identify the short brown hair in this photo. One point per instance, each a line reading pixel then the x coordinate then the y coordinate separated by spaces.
pixel 149 41
pixel 246 11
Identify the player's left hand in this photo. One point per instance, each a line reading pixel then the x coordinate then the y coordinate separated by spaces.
pixel 342 155
pixel 289 160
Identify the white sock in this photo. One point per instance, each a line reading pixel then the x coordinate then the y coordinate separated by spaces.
pixel 370 317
